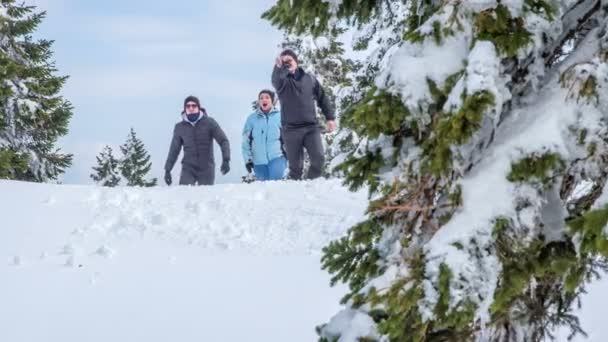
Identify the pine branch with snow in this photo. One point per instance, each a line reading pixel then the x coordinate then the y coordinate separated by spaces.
pixel 32 114
pixel 480 129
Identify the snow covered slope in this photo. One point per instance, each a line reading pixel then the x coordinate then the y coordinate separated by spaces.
pixel 226 263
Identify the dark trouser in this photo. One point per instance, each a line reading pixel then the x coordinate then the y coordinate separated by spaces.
pixel 192 176
pixel 298 139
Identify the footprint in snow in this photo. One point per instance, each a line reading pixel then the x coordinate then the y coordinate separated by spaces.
pixel 158 219
pixel 105 251
pixel 68 249
pixel 193 207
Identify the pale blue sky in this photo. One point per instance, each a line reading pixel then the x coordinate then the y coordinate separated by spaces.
pixel 131 63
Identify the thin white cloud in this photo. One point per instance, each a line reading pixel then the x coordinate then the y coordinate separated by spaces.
pixel 119 82
pixel 152 81
pixel 134 28
pixel 162 49
pixel 157 36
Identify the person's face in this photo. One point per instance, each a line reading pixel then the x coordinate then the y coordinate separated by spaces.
pixel 192 108
pixel 288 60
pixel 265 102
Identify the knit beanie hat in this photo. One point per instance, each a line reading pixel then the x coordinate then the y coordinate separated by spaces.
pixel 192 99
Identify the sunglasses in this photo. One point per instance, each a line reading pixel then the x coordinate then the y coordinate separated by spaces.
pixel 191 105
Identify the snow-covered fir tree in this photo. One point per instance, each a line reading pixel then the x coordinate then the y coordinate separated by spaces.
pixel 480 128
pixel 135 163
pixel 32 114
pixel 106 173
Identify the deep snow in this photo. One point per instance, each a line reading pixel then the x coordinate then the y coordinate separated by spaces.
pixel 224 263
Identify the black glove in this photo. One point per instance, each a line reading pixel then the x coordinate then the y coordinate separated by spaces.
pixel 168 178
pixel 225 167
pixel 249 166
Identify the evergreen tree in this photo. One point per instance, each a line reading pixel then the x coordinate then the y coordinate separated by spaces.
pixel 106 171
pixel 480 129
pixel 135 163
pixel 32 114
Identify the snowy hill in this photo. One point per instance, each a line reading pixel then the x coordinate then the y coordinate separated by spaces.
pixel 225 263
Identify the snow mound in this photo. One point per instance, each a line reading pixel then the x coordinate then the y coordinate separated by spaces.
pixel 224 263
pixel 271 219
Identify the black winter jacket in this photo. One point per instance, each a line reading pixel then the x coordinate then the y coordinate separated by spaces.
pixel 298 93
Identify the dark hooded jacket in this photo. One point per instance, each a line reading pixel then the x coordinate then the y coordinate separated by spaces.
pixel 196 138
pixel 298 93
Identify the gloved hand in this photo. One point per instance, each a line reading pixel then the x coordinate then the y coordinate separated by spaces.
pixel 168 178
pixel 225 167
pixel 249 166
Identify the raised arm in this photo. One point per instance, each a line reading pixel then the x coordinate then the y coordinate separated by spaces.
pixel 279 75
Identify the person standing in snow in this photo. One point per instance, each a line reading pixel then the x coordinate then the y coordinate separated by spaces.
pixel 262 142
pixel 298 91
pixel 195 133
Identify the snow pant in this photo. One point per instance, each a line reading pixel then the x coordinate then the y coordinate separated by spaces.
pixel 298 139
pixel 274 170
pixel 193 176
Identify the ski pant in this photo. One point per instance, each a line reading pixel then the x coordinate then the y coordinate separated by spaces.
pixel 274 170
pixel 298 139
pixel 193 176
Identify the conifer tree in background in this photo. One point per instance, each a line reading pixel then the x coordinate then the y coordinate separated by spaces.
pixel 32 114
pixel 106 171
pixel 481 130
pixel 135 163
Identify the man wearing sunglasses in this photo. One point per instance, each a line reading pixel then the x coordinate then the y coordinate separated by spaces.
pixel 298 91
pixel 195 133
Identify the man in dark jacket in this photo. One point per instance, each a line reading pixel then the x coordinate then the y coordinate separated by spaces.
pixel 196 133
pixel 298 92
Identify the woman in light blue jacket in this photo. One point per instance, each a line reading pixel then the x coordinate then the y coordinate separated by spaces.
pixel 262 143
